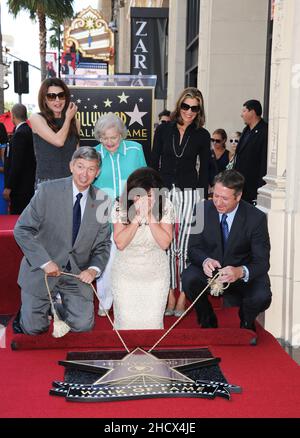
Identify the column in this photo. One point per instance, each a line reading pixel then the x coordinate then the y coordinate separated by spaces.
pixel 280 197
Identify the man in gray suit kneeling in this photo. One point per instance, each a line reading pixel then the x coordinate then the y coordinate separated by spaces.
pixel 64 228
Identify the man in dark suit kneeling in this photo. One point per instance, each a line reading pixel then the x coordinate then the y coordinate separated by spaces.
pixel 235 240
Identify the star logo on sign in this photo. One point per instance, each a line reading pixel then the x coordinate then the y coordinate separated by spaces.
pixel 141 99
pixel 95 106
pixel 136 116
pixel 123 98
pixel 78 101
pixel 107 103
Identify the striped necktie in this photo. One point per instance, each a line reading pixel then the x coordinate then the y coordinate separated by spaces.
pixel 225 229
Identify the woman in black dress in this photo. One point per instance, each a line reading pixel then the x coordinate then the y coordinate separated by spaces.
pixel 55 130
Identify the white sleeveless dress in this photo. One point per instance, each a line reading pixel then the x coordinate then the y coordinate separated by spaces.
pixel 140 278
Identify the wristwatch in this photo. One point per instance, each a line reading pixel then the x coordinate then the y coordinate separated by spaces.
pixel 244 272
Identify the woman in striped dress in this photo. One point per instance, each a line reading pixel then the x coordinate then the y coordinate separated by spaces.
pixel 180 153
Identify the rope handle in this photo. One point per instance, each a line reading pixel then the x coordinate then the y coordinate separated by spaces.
pixel 92 286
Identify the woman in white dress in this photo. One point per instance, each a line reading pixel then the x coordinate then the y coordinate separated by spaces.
pixel 143 230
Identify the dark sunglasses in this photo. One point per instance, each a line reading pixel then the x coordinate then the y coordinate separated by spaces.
pixel 215 140
pixel 52 96
pixel 193 108
pixel 235 140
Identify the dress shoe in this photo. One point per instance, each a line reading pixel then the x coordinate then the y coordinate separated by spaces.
pixel 169 312
pixel 209 322
pixel 60 310
pixel 249 325
pixel 178 313
pixel 16 324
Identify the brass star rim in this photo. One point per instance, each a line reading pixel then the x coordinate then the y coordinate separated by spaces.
pixel 164 370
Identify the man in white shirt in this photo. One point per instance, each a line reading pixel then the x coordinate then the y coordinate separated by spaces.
pixel 64 228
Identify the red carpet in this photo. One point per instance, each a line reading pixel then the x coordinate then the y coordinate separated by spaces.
pixel 185 334
pixel 10 256
pixel 270 380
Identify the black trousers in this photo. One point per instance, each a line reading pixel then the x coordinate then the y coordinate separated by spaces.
pixel 18 202
pixel 251 298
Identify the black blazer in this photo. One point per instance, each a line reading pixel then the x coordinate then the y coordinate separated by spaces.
pixel 248 242
pixel 177 163
pixel 21 175
pixel 251 158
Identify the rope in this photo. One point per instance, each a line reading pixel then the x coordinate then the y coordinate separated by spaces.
pixel 50 297
pixel 60 328
pixel 217 287
pixel 210 283
pixel 185 312
pixel 106 313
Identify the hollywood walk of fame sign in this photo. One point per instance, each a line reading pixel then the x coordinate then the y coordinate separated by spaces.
pixel 132 104
pixel 143 375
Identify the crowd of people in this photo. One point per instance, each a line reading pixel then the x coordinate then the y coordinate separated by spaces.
pixel 100 213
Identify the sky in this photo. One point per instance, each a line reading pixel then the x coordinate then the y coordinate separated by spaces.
pixel 23 42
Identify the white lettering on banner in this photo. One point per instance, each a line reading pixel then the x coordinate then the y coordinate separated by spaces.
pixel 140 45
pixel 141 28
pixel 138 82
pixel 140 61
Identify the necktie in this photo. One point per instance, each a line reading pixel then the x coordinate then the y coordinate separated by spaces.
pixel 225 229
pixel 76 217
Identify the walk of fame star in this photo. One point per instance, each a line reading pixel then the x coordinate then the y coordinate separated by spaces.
pixel 142 365
pixel 140 374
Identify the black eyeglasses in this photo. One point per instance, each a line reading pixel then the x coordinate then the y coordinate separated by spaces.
pixel 215 140
pixel 234 140
pixel 193 108
pixel 52 96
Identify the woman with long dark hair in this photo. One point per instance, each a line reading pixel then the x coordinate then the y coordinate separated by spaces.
pixel 55 130
pixel 143 230
pixel 181 154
